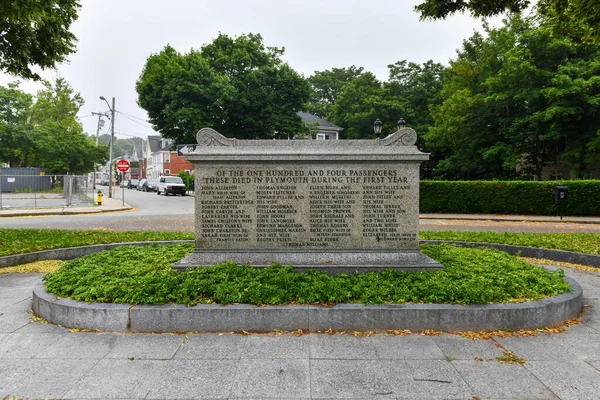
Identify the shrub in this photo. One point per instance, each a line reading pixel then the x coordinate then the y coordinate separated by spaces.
pixel 509 197
pixel 137 275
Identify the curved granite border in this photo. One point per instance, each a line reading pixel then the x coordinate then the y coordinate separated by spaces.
pixel 209 318
pixel 217 318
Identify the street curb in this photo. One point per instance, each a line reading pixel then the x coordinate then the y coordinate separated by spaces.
pixel 243 317
pixel 66 211
pixel 515 218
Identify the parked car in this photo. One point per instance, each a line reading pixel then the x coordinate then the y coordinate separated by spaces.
pixel 140 184
pixel 170 184
pixel 133 184
pixel 150 185
pixel 124 183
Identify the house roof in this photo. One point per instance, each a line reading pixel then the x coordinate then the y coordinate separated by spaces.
pixel 154 142
pixel 311 119
pixel 139 148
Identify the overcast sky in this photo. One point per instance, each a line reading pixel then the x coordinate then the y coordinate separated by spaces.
pixel 115 37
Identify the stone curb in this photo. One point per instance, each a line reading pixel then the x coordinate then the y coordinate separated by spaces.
pixel 217 318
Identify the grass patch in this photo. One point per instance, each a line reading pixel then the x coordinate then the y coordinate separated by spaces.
pixel 16 241
pixel 37 267
pixel 144 276
pixel 580 242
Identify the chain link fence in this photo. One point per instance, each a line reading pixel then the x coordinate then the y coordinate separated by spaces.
pixel 22 191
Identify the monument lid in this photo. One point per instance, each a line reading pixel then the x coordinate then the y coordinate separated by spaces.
pixel 399 146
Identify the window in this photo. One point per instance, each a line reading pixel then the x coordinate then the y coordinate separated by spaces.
pixel 173 179
pixel 322 136
pixel 167 172
pixel 168 157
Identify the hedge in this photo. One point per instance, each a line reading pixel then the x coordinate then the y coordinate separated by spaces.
pixel 509 197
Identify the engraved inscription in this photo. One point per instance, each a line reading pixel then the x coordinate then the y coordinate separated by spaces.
pixel 332 208
pixel 223 215
pixel 302 206
pixel 276 215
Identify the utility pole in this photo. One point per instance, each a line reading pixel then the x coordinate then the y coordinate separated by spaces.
pixel 112 136
pixel 100 124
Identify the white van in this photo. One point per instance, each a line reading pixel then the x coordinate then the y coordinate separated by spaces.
pixel 170 184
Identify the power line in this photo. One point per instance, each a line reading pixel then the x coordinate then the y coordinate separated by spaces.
pixel 139 123
pixel 129 115
pixel 133 134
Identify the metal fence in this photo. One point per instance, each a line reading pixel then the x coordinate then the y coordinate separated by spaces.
pixel 19 191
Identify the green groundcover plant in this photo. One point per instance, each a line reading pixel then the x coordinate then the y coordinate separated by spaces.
pixel 16 241
pixel 138 275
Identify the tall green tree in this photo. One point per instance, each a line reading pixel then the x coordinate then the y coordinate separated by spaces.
pixel 327 86
pixel 15 108
pixel 46 133
pixel 418 87
pixel 579 19
pixel 513 98
pixel 410 91
pixel 360 102
pixel 62 146
pixel 35 33
pixel 235 85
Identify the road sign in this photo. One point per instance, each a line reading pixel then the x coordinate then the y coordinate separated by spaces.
pixel 123 165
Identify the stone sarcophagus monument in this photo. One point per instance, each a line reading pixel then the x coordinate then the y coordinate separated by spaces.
pixel 332 205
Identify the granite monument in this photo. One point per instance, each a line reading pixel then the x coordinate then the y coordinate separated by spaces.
pixel 333 205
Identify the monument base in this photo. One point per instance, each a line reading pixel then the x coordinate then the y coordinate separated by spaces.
pixel 329 261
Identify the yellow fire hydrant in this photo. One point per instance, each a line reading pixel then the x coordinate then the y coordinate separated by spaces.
pixel 99 200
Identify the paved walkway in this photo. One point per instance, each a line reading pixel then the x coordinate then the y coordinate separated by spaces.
pixel 40 360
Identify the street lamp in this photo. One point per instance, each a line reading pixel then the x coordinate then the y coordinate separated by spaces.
pixel 112 135
pixel 377 125
pixel 401 123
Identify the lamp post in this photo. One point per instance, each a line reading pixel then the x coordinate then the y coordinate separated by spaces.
pixel 112 135
pixel 377 125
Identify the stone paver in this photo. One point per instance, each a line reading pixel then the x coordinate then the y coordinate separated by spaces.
pixel 40 360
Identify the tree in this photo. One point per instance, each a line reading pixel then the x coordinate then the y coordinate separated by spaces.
pixel 234 85
pixel 15 106
pixel 418 86
pixel 327 86
pixel 360 102
pixel 46 133
pixel 512 98
pixel 578 18
pixel 121 147
pixel 35 33
pixel 412 88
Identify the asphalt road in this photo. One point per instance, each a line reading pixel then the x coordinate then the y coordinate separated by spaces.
pixel 176 213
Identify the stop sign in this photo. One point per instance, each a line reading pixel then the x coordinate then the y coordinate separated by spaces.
pixel 123 165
